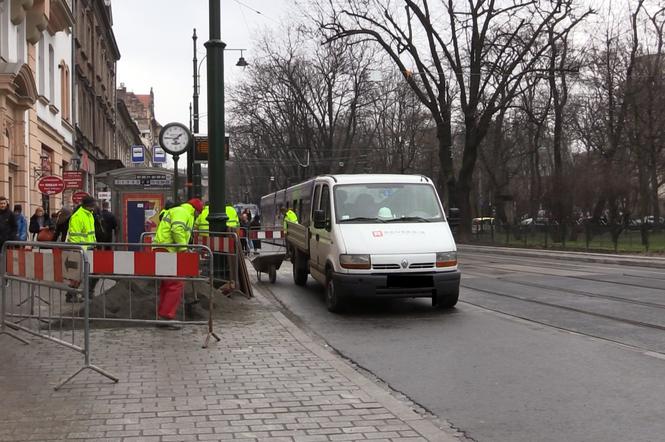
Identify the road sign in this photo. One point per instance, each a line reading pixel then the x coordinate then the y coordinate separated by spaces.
pixel 77 197
pixel 201 149
pixel 104 196
pixel 73 179
pixel 158 155
pixel 138 154
pixel 51 185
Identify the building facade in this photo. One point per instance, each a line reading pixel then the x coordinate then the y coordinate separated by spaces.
pixel 142 109
pixel 127 134
pixel 36 118
pixel 96 58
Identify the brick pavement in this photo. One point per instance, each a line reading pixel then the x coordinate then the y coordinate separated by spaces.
pixel 266 380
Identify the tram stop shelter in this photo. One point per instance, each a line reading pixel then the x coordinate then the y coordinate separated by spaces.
pixel 137 195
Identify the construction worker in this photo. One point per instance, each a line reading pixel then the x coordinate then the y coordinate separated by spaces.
pixel 82 223
pixel 201 224
pixel 232 222
pixel 289 216
pixel 82 231
pixel 175 228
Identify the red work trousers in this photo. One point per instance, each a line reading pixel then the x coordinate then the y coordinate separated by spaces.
pixel 170 295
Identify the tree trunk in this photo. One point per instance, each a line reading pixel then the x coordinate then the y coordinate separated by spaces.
pixel 446 184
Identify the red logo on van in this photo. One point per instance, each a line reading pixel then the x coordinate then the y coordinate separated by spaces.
pixel 377 234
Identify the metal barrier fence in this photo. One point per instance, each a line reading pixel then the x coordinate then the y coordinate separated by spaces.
pixel 575 236
pixel 38 274
pixel 220 244
pixel 117 262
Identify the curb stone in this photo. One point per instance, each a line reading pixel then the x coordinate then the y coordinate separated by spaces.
pixel 422 426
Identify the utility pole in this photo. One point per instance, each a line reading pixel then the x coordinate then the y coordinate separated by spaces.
pixel 195 167
pixel 216 129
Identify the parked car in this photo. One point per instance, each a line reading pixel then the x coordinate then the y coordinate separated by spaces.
pixel 483 224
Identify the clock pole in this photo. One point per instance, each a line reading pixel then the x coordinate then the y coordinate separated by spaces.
pixel 216 129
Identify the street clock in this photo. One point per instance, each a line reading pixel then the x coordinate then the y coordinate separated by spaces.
pixel 175 138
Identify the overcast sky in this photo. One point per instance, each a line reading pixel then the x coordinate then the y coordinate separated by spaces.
pixel 155 42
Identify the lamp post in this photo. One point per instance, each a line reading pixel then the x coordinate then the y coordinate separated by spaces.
pixel 193 167
pixel 216 128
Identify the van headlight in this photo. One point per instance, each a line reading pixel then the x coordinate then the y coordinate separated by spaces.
pixel 355 261
pixel 446 259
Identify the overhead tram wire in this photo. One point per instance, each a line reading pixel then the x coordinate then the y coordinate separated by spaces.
pixel 255 10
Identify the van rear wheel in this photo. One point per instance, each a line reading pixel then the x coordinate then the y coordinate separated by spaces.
pixel 299 269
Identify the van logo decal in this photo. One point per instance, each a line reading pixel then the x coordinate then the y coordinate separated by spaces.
pixel 405 263
pixel 377 234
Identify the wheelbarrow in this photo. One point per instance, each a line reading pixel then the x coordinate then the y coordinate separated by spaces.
pixel 267 264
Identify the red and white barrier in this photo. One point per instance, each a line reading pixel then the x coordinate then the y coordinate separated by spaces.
pixel 52 265
pixel 223 244
pixel 263 234
pixel 110 262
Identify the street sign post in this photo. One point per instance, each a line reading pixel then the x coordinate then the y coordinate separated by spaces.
pixel 158 155
pixel 138 154
pixel 73 179
pixel 51 185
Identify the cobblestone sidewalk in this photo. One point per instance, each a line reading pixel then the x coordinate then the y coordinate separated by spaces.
pixel 266 380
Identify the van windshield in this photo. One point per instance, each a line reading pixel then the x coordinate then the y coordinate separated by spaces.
pixel 386 203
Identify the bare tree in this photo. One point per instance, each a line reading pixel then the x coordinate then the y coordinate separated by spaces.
pixel 482 47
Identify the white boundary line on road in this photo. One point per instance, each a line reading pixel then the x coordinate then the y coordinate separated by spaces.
pixel 422 426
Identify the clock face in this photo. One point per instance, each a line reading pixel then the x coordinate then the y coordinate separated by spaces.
pixel 175 138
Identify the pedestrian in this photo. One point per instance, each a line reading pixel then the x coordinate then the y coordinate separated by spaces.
pixel 256 226
pixel 82 231
pixel 244 226
pixel 61 224
pixel 175 228
pixel 21 223
pixel 38 222
pixel 8 227
pixel 108 226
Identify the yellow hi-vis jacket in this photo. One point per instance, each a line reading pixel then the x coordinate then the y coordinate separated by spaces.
pixel 176 227
pixel 291 217
pixel 201 224
pixel 82 227
pixel 232 216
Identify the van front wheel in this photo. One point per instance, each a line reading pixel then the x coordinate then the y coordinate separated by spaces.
pixel 333 299
pixel 443 300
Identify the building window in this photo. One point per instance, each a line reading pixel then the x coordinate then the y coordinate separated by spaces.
pixel 20 43
pixel 64 90
pixel 41 67
pixel 51 73
pixel 4 31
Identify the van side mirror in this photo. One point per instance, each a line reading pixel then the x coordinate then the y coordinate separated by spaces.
pixel 319 219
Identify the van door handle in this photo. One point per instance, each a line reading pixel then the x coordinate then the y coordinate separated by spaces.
pixel 317 237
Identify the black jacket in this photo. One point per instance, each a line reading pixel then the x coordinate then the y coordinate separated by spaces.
pixel 8 226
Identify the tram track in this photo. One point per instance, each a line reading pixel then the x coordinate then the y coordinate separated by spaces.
pixel 584 293
pixel 643 350
pixel 563 307
pixel 582 278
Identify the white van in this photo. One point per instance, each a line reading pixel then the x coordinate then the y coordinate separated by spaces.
pixel 371 236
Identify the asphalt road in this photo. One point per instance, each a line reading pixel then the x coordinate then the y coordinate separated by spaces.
pixel 536 349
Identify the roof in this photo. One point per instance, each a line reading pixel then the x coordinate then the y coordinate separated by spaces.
pixel 377 178
pixel 144 99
